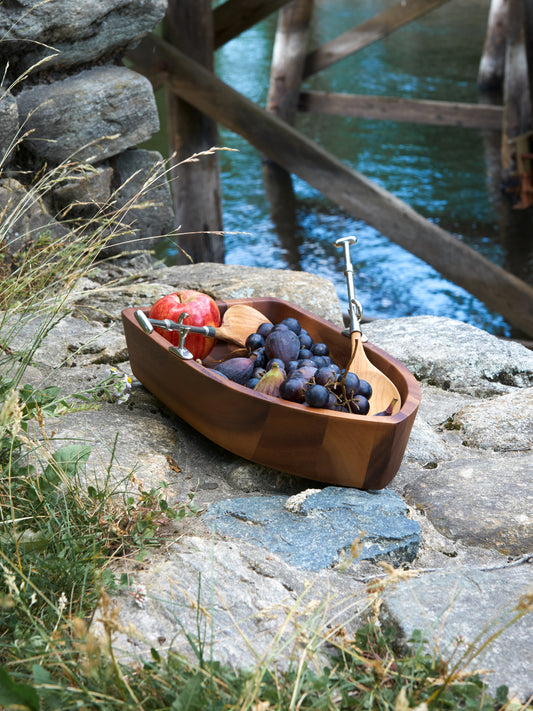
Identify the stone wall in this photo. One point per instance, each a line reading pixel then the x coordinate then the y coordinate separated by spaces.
pixel 67 98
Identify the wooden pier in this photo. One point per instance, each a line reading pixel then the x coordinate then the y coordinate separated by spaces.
pixel 187 73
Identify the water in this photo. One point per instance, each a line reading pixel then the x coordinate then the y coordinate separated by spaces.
pixel 449 175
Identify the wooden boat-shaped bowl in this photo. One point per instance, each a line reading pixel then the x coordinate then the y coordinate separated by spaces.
pixel 337 448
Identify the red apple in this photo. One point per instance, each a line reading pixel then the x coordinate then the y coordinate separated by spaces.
pixel 202 311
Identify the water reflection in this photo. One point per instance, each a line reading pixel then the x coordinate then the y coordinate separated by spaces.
pixel 450 175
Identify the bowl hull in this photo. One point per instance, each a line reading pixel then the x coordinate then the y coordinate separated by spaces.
pixel 331 447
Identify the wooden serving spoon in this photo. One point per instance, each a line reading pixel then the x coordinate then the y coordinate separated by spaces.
pixel 237 323
pixel 384 392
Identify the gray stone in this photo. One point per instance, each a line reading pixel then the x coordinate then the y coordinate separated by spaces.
pixel 504 423
pixel 458 613
pixel 234 281
pixel 90 116
pixel 239 604
pixel 453 355
pixel 143 199
pixel 325 528
pixel 220 281
pixel 480 501
pixel 25 218
pixel 72 343
pixel 86 193
pixel 75 32
pixel 9 125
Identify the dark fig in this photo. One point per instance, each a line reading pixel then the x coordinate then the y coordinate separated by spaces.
pixel 304 372
pixel 283 344
pixel 388 410
pixel 271 381
pixel 237 369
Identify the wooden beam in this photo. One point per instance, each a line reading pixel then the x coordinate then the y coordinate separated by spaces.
pixel 235 16
pixel 288 57
pixel 437 113
pixel 196 185
pixel 368 32
pixel 501 291
pixel 491 66
pixel 528 11
pixel 516 96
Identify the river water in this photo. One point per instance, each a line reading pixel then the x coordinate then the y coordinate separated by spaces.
pixel 450 175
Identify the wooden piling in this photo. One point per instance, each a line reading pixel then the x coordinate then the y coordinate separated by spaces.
pixel 517 98
pixel 288 57
pixel 195 185
pixel 491 66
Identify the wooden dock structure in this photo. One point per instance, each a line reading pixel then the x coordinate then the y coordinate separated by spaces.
pixel 182 60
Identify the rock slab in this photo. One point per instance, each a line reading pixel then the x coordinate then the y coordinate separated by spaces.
pixel 456 610
pixel 329 526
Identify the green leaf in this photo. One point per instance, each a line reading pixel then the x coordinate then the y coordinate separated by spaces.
pixel 13 693
pixel 68 461
pixel 41 675
pixel 187 700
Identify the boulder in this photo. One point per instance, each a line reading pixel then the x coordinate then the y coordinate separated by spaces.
pixel 143 200
pixel 9 125
pixel 90 116
pixel 25 218
pixel 85 193
pixel 454 355
pixel 71 33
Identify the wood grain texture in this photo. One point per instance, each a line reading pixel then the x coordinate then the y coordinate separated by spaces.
pixel 357 451
pixel 391 108
pixel 383 389
pixel 238 322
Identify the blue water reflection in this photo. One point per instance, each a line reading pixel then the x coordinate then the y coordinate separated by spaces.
pixel 450 175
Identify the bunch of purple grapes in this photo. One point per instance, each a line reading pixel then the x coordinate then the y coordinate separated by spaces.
pixel 303 369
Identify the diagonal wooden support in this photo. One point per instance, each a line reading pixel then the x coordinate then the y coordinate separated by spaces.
pixel 367 33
